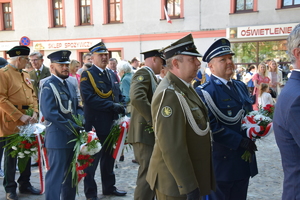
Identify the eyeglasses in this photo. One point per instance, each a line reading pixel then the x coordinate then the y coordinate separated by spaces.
pixel 27 59
pixel 34 60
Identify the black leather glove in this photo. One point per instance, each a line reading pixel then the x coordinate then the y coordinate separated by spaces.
pixel 118 108
pixel 194 195
pixel 79 128
pixel 249 145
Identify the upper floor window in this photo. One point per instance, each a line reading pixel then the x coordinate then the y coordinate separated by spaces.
pixel 286 3
pixel 244 5
pixel 7 17
pixel 114 11
pixel 85 14
pixel 57 13
pixel 173 8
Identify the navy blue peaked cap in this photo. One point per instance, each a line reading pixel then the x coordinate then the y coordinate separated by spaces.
pixel 99 48
pixel 60 57
pixel 220 47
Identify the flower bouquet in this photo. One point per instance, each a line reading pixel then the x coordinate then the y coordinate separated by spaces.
pixel 87 144
pixel 258 124
pixel 24 143
pixel 116 139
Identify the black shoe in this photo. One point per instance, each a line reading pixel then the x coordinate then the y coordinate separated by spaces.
pixel 35 164
pixel 30 190
pixel 121 158
pixel 134 161
pixel 116 192
pixel 93 198
pixel 11 196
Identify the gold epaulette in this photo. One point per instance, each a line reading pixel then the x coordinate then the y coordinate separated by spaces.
pixel 101 94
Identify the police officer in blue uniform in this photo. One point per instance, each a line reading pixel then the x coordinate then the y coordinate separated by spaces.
pixel 58 103
pixel 103 101
pixel 228 101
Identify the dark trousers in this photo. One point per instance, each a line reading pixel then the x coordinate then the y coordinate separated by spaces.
pixel 106 169
pixel 230 190
pixel 10 165
pixel 55 187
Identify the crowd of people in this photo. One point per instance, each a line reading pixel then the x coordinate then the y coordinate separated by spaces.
pixel 185 126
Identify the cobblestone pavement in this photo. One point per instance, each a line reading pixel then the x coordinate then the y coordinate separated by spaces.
pixel 267 185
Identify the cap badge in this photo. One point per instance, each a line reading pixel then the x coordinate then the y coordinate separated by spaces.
pixel 18 52
pixel 64 53
pixel 166 111
pixel 140 78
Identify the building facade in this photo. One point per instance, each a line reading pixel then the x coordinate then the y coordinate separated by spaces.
pixel 257 28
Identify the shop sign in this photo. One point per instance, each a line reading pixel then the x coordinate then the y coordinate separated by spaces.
pixel 5 46
pixel 265 31
pixel 68 44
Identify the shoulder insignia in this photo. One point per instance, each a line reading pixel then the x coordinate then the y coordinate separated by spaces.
pixel 140 78
pixel 24 71
pixel 83 79
pixel 218 82
pixel 204 84
pixel 166 111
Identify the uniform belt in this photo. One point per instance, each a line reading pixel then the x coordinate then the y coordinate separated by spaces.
pixel 22 107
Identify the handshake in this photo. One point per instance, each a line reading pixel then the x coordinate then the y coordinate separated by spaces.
pixel 118 108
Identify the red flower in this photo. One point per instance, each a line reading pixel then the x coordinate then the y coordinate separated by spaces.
pixel 27 146
pixel 24 142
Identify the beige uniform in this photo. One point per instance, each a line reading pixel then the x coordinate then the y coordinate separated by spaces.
pixel 142 88
pixel 181 160
pixel 16 93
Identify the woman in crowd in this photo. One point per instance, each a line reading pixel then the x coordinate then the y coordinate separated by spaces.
pixel 73 67
pixel 260 77
pixel 275 76
pixel 125 73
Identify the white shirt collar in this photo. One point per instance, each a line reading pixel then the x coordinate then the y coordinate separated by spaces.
pixel 41 69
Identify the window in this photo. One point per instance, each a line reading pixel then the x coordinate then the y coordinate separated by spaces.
pixel 85 15
pixel 7 16
pixel 290 3
pixel 243 6
pixel 57 13
pixel 114 11
pixel 173 8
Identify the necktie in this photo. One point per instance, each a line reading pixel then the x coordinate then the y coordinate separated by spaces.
pixel 229 83
pixel 38 73
pixel 116 73
pixel 66 85
pixel 105 73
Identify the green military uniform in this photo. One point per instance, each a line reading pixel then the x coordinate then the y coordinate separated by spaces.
pixel 181 159
pixel 16 95
pixel 35 79
pixel 142 88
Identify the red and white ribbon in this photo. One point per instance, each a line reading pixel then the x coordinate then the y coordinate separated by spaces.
pixel 121 140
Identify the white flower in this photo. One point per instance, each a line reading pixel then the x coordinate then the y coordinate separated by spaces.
pixel 84 150
pixel 33 149
pixel 14 148
pixel 27 152
pixel 20 154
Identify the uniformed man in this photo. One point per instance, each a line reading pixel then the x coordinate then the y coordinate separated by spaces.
pixel 181 164
pixel 143 85
pixel 58 105
pixel 228 101
pixel 16 96
pixel 103 101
